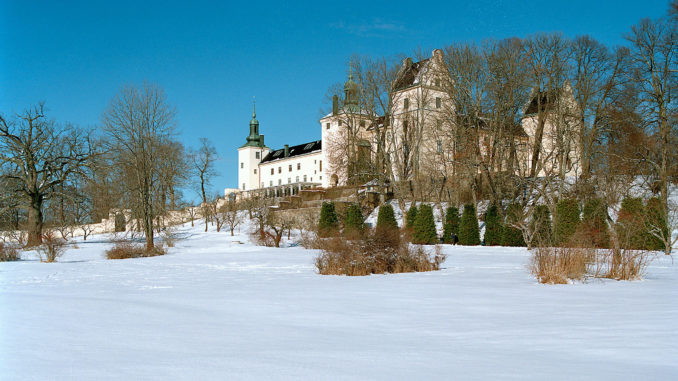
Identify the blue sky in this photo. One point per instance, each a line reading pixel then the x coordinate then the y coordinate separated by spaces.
pixel 211 58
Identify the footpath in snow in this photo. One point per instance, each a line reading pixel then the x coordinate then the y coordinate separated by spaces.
pixel 212 309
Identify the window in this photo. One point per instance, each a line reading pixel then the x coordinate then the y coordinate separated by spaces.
pixel 406 103
pixel 362 123
pixel 255 171
pixel 298 166
pixel 243 186
pixel 242 165
pixel 315 172
pixel 440 146
pixel 439 102
pixel 437 82
pixel 272 170
pixel 321 165
pixel 290 166
pixel 439 124
pixel 279 181
pixel 296 180
pixel 270 183
pixel 304 178
pixel 262 184
pixel 340 122
pixel 289 180
pixel 321 178
pixel 327 126
pixel 256 154
pixel 279 169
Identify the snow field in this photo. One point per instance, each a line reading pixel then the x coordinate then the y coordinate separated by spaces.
pixel 214 309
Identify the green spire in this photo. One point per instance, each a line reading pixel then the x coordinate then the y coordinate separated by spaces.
pixel 254 139
pixel 351 90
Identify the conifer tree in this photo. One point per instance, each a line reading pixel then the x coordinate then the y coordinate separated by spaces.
pixel 425 227
pixel 541 225
pixel 387 233
pixel 451 225
pixel 411 216
pixel 469 232
pixel 594 222
pixel 386 218
pixel 655 224
pixel 511 235
pixel 493 226
pixel 567 220
pixel 327 223
pixel 354 222
pixel 630 224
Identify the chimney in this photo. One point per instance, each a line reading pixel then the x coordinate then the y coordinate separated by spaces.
pixel 335 105
pixel 287 150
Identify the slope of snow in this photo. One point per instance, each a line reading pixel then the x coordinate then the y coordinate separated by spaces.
pixel 212 309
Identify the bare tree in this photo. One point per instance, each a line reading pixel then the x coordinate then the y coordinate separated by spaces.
pixel 231 214
pixel 138 123
pixel 654 56
pixel 202 163
pixel 38 157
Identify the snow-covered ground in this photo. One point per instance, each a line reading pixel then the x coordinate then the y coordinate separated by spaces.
pixel 212 309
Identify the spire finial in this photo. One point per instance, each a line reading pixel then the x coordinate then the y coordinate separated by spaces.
pixel 350 69
pixel 254 108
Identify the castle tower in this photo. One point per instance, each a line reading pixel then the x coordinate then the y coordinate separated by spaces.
pixel 250 155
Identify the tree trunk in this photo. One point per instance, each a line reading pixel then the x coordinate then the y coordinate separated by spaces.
pixel 35 221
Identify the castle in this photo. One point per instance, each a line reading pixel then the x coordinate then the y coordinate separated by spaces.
pixel 414 132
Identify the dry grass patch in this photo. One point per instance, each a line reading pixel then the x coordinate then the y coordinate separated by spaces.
pixel 561 265
pixel 126 249
pixel 51 248
pixel 374 254
pixel 8 253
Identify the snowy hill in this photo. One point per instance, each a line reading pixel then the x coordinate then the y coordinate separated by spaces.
pixel 214 309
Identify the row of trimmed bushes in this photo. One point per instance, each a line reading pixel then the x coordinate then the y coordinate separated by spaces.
pixel 634 226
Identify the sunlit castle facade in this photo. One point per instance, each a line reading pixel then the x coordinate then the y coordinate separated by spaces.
pixel 415 136
pixel 278 172
pixel 419 99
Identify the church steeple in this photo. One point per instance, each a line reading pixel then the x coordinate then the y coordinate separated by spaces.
pixel 351 91
pixel 254 139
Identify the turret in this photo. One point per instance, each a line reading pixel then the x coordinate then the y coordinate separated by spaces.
pixel 350 91
pixel 254 139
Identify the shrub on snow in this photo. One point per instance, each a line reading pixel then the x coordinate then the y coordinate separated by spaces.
pixel 328 224
pixel 493 226
pixel 469 232
pixel 424 227
pixel 354 222
pixel 451 225
pixel 8 253
pixel 566 221
pixel 127 249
